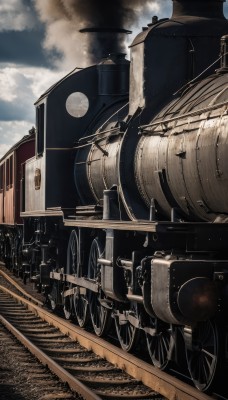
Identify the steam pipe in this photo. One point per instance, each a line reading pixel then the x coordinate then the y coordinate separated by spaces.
pixel 224 54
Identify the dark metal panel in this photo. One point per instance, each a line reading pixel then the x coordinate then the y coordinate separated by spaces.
pixel 168 278
pixel 62 128
pixel 59 185
pixel 130 195
pixel 154 79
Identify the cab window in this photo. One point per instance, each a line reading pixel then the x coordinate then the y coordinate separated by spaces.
pixel 40 129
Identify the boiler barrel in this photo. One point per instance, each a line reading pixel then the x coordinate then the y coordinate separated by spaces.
pixel 181 160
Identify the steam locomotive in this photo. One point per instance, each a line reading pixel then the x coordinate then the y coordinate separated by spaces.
pixel 119 210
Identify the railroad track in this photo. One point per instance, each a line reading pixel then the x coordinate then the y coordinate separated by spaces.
pixel 23 377
pixel 91 366
pixel 87 373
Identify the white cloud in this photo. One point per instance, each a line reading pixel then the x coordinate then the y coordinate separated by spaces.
pixel 14 15
pixel 3 149
pixel 20 88
pixel 11 132
pixel 74 48
pixel 40 79
pixel 8 83
pixel 158 8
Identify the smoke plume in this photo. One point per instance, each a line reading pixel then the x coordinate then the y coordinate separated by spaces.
pixel 65 18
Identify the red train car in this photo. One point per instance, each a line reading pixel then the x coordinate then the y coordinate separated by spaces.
pixel 11 181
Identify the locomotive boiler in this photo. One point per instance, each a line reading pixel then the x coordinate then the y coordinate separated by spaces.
pixel 124 204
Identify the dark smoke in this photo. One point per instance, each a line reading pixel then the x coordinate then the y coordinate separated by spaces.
pixel 64 19
pixel 104 14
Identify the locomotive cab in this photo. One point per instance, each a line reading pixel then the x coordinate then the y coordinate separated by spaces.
pixel 64 115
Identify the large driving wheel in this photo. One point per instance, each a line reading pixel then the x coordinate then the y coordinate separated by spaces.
pixel 100 314
pixel 160 343
pixel 128 334
pixel 78 301
pixel 203 355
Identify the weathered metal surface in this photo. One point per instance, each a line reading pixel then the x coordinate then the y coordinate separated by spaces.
pixel 83 282
pixel 181 162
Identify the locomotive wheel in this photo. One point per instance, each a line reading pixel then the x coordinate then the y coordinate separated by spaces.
pixel 100 315
pixel 72 254
pixel 127 333
pixel 79 300
pixel 160 343
pixel 68 304
pixel 202 358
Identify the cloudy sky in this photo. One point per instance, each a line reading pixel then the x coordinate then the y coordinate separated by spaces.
pixel 40 42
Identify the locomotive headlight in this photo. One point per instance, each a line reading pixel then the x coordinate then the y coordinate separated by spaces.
pixel 197 299
pixel 77 104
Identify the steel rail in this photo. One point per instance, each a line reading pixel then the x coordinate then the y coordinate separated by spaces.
pixel 62 374
pixel 20 289
pixel 159 381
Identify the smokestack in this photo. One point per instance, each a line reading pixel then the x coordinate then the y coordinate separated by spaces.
pixel 105 40
pixel 198 8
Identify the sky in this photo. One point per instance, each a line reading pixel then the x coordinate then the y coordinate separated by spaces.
pixel 40 42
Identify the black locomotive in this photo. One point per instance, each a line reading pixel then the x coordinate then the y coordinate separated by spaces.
pixel 124 205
